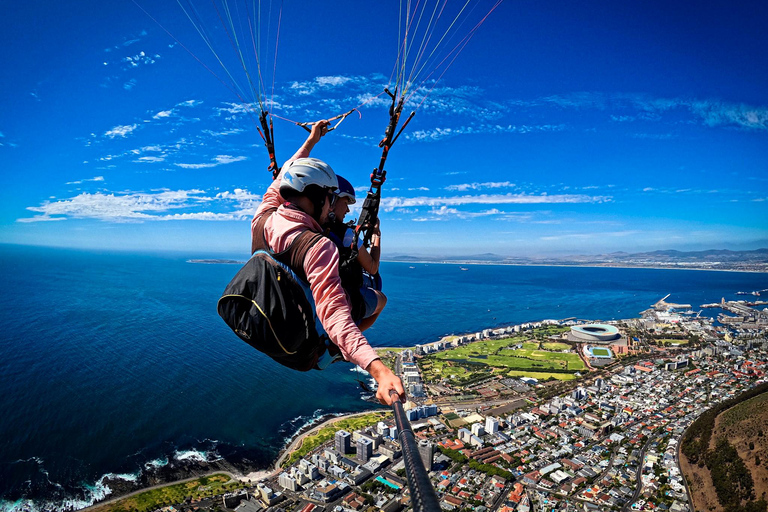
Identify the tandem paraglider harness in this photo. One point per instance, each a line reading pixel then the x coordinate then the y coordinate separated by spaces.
pixel 269 304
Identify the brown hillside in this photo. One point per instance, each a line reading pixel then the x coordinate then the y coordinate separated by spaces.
pixel 743 424
pixel 746 428
pixel 700 485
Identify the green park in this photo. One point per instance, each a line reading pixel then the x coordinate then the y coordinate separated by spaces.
pixel 518 356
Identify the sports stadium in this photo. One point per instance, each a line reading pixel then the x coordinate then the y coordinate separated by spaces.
pixel 601 334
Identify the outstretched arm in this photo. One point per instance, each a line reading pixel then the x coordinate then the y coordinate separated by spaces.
pixel 272 197
pixel 319 129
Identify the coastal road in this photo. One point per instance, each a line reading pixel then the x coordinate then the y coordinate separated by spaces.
pixel 101 504
pixel 296 443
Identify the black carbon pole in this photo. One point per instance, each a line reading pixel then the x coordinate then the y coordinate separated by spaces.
pixel 423 497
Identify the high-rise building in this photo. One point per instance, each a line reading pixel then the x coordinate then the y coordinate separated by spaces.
pixel 491 425
pixel 364 449
pixel 478 430
pixel 287 482
pixel 343 442
pixel 427 452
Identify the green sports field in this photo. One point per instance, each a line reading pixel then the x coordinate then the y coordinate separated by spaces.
pixel 510 357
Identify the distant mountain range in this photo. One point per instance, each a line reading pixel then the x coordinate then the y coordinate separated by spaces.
pixel 713 259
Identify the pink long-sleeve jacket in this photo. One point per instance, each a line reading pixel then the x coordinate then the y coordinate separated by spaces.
pixel 322 269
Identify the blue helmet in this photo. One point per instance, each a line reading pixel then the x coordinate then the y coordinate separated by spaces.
pixel 345 190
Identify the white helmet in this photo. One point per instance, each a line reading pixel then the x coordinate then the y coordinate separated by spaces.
pixel 302 172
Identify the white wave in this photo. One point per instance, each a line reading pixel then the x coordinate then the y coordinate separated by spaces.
pixel 196 456
pixel 93 494
pixel 155 464
pixel 311 420
pixel 128 477
pixel 36 460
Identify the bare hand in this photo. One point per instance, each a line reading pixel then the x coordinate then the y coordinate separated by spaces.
pixel 319 129
pixel 386 381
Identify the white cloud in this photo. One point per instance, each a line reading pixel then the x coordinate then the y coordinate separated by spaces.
pixel 218 160
pixel 95 178
pixel 323 82
pixel 224 133
pixel 445 213
pixel 598 236
pixel 715 113
pixel 148 206
pixel 121 131
pixel 150 159
pixel 442 133
pixel 633 107
pixel 163 114
pixel 391 203
pixel 332 81
pixel 476 186
pixel 134 61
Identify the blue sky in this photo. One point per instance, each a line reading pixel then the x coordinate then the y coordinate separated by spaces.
pixel 561 128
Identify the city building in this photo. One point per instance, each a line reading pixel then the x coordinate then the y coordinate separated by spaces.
pixel 427 452
pixel 343 442
pixel 364 449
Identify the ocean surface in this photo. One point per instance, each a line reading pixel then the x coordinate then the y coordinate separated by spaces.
pixel 115 365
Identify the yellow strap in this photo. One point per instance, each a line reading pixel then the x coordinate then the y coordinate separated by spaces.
pixel 267 319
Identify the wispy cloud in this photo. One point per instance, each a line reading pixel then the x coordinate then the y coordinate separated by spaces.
pixel 127 41
pixel 121 131
pixel 715 113
pixel 445 213
pixel 150 159
pixel 591 235
pixel 443 133
pixel 174 112
pixel 325 83
pixel 477 186
pixel 163 205
pixel 633 107
pixel 223 133
pixel 391 203
pixel 95 178
pixel 141 58
pixel 218 160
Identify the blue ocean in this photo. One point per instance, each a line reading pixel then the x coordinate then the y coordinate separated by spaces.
pixel 116 365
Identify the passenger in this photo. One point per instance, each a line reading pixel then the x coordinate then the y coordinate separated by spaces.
pixel 358 277
pixel 301 198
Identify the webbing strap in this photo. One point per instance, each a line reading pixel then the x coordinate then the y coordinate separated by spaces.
pixel 294 255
